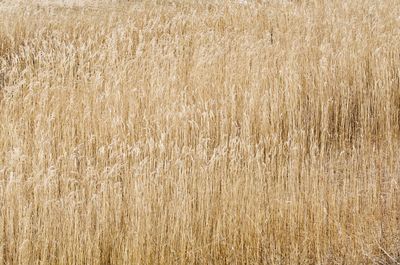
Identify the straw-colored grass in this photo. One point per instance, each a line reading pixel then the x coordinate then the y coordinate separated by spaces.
pixel 187 132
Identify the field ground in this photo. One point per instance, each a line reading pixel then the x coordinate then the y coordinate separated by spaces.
pixel 200 132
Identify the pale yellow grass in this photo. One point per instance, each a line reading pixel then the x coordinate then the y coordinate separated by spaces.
pixel 185 132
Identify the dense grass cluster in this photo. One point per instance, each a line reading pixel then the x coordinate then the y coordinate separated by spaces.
pixel 187 132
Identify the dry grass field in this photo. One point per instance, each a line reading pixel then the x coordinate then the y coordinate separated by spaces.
pixel 199 132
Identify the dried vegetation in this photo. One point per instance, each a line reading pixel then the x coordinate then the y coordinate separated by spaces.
pixel 189 132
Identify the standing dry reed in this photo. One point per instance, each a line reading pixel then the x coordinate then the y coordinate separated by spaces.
pixel 186 132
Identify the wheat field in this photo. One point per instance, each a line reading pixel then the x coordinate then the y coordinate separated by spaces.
pixel 199 132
